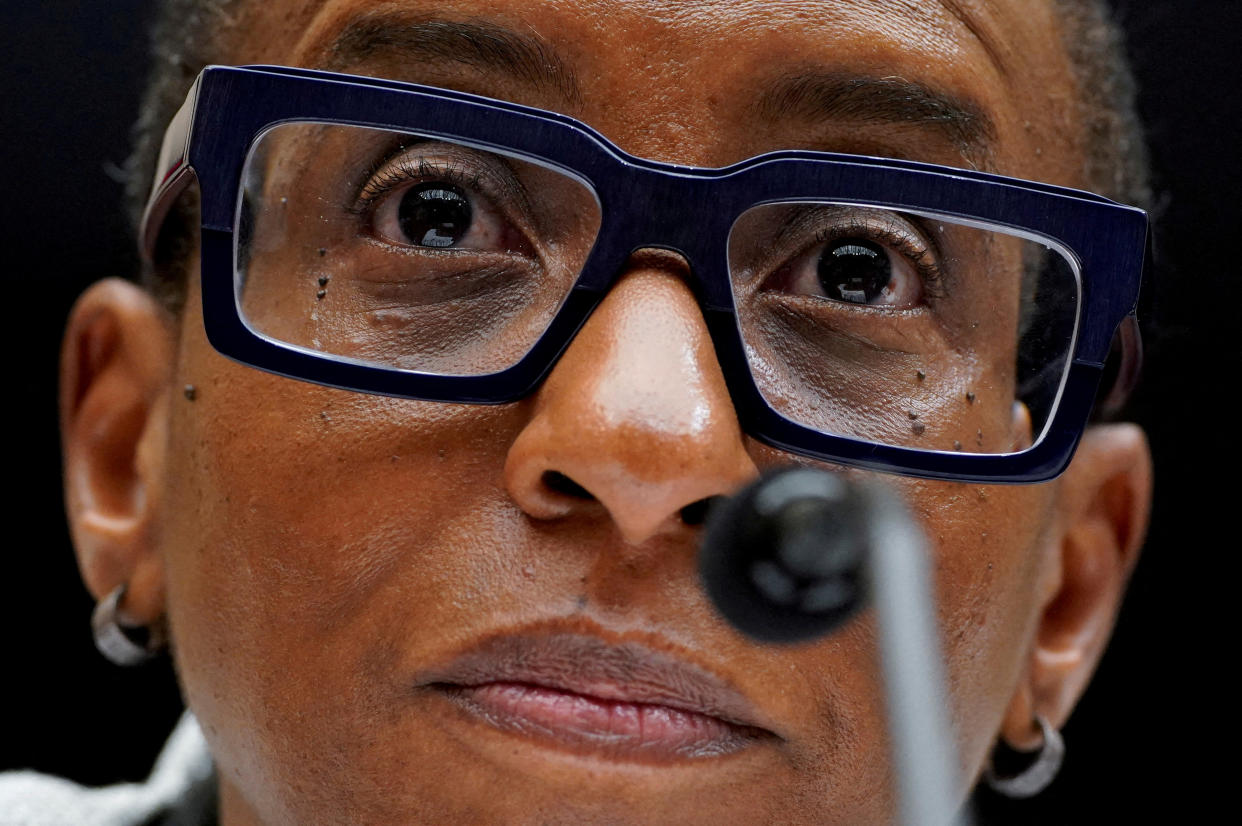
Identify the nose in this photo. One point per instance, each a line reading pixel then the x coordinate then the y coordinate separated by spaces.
pixel 635 418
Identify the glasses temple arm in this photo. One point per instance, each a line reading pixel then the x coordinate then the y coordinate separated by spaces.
pixel 172 174
pixel 1128 346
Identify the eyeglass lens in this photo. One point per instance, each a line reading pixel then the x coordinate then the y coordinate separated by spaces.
pixel 406 251
pixel 418 253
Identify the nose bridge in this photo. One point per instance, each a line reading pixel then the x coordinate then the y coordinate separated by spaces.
pixel 636 412
pixel 655 370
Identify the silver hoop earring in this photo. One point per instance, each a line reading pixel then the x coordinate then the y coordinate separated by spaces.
pixel 1038 775
pixel 122 644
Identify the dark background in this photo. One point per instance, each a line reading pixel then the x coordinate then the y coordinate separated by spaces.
pixel 1139 742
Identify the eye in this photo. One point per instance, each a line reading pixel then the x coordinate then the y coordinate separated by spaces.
pixel 840 254
pixel 444 204
pixel 853 270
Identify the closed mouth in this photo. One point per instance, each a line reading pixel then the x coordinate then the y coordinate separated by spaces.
pixel 581 692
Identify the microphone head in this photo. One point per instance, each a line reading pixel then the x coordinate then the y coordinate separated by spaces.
pixel 784 559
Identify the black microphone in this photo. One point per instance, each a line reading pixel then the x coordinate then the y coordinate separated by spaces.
pixel 784 559
pixel 797 553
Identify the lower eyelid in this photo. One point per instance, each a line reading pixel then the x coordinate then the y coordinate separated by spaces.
pixel 910 330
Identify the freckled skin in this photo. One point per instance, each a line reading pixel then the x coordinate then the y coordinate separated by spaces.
pixel 322 546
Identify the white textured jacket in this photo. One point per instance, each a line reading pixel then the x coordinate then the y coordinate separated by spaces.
pixel 181 791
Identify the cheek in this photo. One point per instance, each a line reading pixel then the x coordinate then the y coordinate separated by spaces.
pixel 992 554
pixel 991 550
pixel 305 531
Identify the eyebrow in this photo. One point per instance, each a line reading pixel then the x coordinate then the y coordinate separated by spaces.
pixel 815 95
pixel 884 101
pixel 473 44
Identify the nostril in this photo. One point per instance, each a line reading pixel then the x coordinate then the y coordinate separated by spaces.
pixel 696 512
pixel 561 483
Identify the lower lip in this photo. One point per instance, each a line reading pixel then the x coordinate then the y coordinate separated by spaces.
pixel 616 728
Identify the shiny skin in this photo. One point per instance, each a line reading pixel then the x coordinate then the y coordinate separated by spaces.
pixel 315 550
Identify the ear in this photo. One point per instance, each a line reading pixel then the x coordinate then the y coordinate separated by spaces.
pixel 116 364
pixel 1103 507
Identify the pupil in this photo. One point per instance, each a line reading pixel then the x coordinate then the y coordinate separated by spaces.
pixel 434 215
pixel 854 270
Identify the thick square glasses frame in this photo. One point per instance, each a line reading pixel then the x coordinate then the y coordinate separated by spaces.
pixel 229 109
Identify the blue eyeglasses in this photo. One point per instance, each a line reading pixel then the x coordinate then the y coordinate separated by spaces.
pixel 389 238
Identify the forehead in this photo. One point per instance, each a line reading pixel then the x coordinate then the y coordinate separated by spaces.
pixel 981 83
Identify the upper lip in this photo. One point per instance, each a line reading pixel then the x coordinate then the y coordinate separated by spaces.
pixel 623 670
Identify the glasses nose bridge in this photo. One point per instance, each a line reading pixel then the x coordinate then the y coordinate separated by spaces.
pixel 679 214
pixel 681 223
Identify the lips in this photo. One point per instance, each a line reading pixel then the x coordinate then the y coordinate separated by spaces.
pixel 584 693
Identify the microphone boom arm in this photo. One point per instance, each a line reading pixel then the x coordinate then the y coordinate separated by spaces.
pixel 923 748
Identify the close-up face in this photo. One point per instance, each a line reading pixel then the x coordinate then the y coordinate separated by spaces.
pixel 393 611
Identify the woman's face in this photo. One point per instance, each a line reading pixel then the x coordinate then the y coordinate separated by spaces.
pixel 342 571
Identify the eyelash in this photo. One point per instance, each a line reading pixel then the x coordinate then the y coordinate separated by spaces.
pixel 389 176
